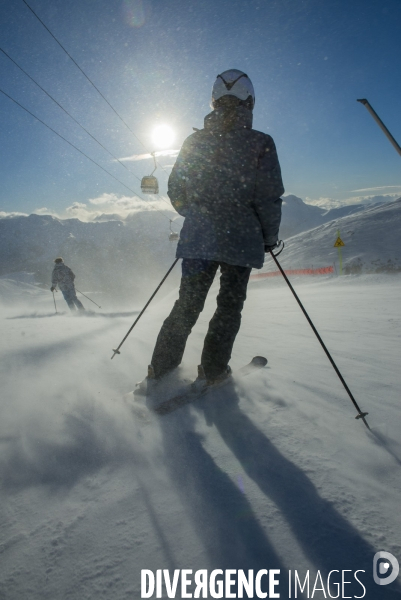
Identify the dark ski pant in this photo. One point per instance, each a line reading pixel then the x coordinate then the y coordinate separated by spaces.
pixel 197 277
pixel 70 297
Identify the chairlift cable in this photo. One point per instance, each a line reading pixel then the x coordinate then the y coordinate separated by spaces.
pixel 67 113
pixel 76 148
pixel 74 119
pixel 104 98
pixel 90 81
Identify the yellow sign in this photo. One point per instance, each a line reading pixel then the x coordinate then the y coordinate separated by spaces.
pixel 339 243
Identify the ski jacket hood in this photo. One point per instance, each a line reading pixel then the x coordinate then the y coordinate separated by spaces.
pixel 227 184
pixel 224 119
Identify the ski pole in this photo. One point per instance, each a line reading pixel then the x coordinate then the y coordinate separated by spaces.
pixel 54 299
pixel 360 415
pixel 88 298
pixel 117 350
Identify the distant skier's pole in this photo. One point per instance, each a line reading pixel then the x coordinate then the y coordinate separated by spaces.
pixel 360 415
pixel 117 350
pixel 380 124
pixel 54 300
pixel 88 298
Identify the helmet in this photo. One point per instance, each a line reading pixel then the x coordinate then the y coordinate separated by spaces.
pixel 58 260
pixel 233 83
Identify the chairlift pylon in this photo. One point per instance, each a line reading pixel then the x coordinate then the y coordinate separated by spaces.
pixel 149 183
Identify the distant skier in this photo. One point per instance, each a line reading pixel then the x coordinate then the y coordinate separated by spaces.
pixel 63 277
pixel 227 184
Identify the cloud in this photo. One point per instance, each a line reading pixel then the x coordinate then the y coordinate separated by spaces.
pixel 75 206
pixel 8 215
pixel 384 187
pixel 125 204
pixel 45 211
pixel 112 205
pixel 324 202
pixel 114 200
pixel 136 157
pixel 327 202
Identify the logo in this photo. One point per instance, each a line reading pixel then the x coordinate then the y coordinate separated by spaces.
pixel 385 564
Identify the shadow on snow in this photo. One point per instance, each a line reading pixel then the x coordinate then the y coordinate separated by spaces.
pixel 225 519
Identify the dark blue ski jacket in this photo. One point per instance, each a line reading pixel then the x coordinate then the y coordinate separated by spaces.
pixel 227 184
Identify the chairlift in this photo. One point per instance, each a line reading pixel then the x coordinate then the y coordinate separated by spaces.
pixel 149 183
pixel 173 235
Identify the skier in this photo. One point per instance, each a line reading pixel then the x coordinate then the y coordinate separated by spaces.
pixel 227 184
pixel 64 278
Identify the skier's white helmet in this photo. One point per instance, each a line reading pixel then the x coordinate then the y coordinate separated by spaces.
pixel 233 83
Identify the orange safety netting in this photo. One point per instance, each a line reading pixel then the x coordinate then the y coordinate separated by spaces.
pixel 320 271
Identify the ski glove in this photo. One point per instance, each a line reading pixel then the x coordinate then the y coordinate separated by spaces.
pixel 268 248
pixel 52 288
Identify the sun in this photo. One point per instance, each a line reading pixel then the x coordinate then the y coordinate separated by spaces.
pixel 163 136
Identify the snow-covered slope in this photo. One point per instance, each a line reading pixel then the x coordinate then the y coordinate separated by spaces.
pixel 16 291
pixel 372 241
pixel 273 472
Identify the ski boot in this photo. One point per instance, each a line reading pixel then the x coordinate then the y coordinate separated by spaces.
pixel 147 385
pixel 202 382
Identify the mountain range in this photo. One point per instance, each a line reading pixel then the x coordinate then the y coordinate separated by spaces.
pixel 112 254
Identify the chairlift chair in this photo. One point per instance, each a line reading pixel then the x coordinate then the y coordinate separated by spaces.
pixel 173 235
pixel 149 183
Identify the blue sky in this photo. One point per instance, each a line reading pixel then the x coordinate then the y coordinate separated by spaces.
pixel 156 60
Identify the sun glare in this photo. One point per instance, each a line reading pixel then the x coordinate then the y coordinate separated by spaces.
pixel 163 136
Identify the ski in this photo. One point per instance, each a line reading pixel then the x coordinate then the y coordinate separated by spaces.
pixel 190 394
